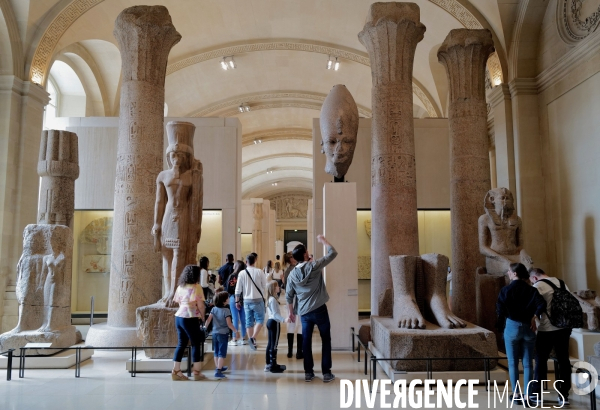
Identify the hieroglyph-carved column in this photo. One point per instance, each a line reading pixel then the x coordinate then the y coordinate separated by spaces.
pixel 145 35
pixel 58 166
pixel 464 53
pixel 391 35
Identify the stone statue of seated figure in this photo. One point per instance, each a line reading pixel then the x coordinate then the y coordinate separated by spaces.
pixel 501 233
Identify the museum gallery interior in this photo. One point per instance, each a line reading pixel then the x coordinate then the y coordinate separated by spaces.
pixel 432 142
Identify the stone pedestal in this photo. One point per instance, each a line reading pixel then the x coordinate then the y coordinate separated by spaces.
pixel 488 288
pixel 61 338
pixel 341 275
pixel 464 54
pixel 145 36
pixel 471 341
pixel 156 327
pixel 582 343
pixel 391 35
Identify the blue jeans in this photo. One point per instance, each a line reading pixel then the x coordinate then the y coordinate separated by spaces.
pixel 519 341
pixel 319 317
pixel 220 344
pixel 237 316
pixel 255 311
pixel 188 328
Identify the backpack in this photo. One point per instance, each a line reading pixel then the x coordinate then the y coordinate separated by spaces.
pixel 566 310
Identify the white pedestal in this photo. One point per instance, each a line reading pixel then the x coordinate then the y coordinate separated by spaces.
pixel 62 360
pixel 582 343
pixel 341 276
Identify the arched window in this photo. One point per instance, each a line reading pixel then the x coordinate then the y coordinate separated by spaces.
pixel 51 111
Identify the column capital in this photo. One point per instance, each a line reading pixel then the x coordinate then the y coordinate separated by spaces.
pixel 523 86
pixel 498 94
pixel 35 92
pixel 464 54
pixel 145 35
pixel 391 35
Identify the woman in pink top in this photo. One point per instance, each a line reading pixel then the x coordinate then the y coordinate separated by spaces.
pixel 188 317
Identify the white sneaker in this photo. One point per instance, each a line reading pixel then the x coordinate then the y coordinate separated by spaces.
pixel 233 342
pixel 242 342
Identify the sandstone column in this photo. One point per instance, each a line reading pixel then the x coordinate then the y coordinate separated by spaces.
pixel 464 54
pixel 145 35
pixel 390 35
pixel 257 212
pixel 59 168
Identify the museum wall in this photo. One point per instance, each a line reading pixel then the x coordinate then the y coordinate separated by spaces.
pixel 432 163
pixel 247 225
pixel 569 103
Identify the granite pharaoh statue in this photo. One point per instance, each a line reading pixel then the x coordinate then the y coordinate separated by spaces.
pixel 178 210
pixel 339 128
pixel 501 233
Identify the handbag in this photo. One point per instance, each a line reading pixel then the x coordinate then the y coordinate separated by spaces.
pixel 257 288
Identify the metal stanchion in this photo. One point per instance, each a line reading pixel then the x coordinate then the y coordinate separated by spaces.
pixel 9 365
pixel 365 362
pixel 77 362
pixel 22 363
pixel 92 312
pixel 132 361
pixel 352 337
pixel 358 355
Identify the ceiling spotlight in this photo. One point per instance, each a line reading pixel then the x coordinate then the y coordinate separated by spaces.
pixel 257 141
pixel 227 63
pixel 274 184
pixel 269 170
pixel 333 63
pixel 244 107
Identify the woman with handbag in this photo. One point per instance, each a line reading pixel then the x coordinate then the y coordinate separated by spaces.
pixel 190 297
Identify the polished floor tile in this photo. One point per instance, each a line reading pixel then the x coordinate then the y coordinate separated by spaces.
pixel 105 384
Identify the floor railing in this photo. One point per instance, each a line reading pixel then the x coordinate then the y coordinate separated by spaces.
pixel 78 361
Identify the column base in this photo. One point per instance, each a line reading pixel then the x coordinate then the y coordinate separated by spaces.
pixel 103 335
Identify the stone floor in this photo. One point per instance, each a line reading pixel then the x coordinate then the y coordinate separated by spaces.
pixel 104 384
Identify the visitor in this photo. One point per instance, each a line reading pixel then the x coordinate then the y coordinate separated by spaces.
pixel 293 327
pixel 306 282
pixel 273 328
pixel 188 317
pixel 550 337
pixel 203 262
pixel 237 315
pixel 269 268
pixel 226 269
pixel 251 282
pixel 278 274
pixel 221 314
pixel 517 307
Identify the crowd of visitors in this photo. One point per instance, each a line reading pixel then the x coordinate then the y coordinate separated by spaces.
pixel 534 302
pixel 242 302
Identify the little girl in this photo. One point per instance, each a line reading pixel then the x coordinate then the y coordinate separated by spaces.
pixel 273 327
pixel 222 323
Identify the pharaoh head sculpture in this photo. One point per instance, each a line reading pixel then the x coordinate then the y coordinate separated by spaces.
pixel 181 143
pixel 501 201
pixel 339 127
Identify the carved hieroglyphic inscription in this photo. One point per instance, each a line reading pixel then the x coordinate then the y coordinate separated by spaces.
pixel 393 169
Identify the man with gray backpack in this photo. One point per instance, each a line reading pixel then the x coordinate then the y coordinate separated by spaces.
pixel 554 331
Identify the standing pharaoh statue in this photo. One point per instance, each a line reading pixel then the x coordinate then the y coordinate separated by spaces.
pixel 501 233
pixel 339 128
pixel 178 209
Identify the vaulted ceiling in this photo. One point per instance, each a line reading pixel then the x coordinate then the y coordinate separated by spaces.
pixel 280 47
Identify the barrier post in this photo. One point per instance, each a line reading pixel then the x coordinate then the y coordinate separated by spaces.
pixel 9 365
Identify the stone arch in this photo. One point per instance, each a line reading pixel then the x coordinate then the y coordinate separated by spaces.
pixel 11 61
pixel 81 52
pixel 49 32
pixel 525 39
pixel 304 46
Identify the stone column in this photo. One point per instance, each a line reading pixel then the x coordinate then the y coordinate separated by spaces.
pixel 145 35
pixel 390 35
pixel 464 54
pixel 59 168
pixel 257 212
